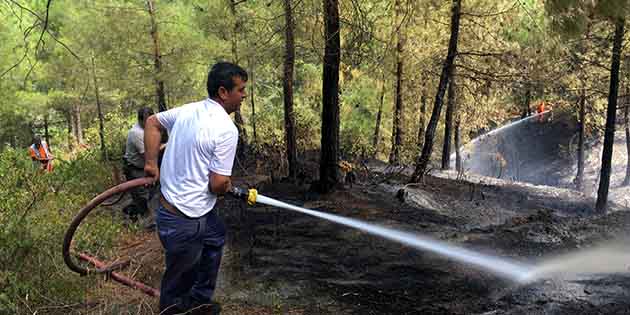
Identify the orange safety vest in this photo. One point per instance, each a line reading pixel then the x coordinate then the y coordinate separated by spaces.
pixel 41 153
pixel 541 107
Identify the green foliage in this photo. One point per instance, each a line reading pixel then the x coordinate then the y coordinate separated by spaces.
pixel 35 210
pixel 359 107
pixel 117 124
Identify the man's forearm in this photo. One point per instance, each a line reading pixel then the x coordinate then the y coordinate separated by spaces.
pixel 152 136
pixel 219 184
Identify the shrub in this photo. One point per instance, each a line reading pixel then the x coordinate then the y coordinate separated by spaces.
pixel 35 210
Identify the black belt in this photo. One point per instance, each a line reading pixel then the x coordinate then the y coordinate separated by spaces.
pixel 172 209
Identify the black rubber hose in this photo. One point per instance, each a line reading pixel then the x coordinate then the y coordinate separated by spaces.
pixel 120 197
pixel 67 240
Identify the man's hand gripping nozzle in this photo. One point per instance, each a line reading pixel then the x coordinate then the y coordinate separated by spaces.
pixel 244 194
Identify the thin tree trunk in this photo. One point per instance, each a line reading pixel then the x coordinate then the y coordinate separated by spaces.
pixel 101 120
pixel 238 118
pixel 328 169
pixel 289 115
pixel 422 118
pixel 423 160
pixel 397 125
pixel 46 134
pixel 459 166
pixel 252 88
pixel 448 122
pixel 626 180
pixel 579 179
pixel 611 113
pixel 379 115
pixel 528 95
pixel 157 59
pixel 235 30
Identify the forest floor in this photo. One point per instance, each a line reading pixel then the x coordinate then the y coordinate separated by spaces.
pixel 282 262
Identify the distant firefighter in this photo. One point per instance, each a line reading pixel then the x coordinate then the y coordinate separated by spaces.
pixel 501 163
pixel 347 172
pixel 40 154
pixel 541 108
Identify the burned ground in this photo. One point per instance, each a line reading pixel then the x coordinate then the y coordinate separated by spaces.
pixel 281 262
pixel 324 268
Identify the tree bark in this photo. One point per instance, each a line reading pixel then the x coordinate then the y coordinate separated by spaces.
pixel 379 115
pixel 101 120
pixel 328 170
pixel 238 118
pixel 421 119
pixel 611 113
pixel 448 122
pixel 252 88
pixel 423 159
pixel 157 59
pixel 289 115
pixel 579 178
pixel 626 180
pixel 46 133
pixel 459 166
pixel 528 95
pixel 397 125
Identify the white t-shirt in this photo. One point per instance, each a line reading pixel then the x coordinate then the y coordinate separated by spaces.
pixel 202 139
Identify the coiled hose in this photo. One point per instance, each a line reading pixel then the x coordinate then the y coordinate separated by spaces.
pixel 67 240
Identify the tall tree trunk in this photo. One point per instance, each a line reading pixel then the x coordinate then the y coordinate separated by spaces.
pixel 328 169
pixel 423 160
pixel 46 133
pixel 379 115
pixel 528 96
pixel 459 166
pixel 626 123
pixel 252 88
pixel 422 118
pixel 289 115
pixel 101 120
pixel 579 178
pixel 238 118
pixel 397 125
pixel 448 122
pixel 611 113
pixel 157 59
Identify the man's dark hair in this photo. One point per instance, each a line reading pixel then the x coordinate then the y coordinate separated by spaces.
pixel 222 75
pixel 144 113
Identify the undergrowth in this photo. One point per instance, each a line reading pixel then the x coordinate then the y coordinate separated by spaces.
pixel 35 210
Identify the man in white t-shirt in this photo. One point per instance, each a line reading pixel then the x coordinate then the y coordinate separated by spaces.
pixel 196 167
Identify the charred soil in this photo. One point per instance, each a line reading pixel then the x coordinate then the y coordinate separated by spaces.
pixel 281 262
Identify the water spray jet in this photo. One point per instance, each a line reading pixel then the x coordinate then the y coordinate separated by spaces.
pixel 500 129
pixel 500 266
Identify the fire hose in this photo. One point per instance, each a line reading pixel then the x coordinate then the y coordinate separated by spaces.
pixel 100 266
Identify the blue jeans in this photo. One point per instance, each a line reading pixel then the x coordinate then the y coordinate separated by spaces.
pixel 193 250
